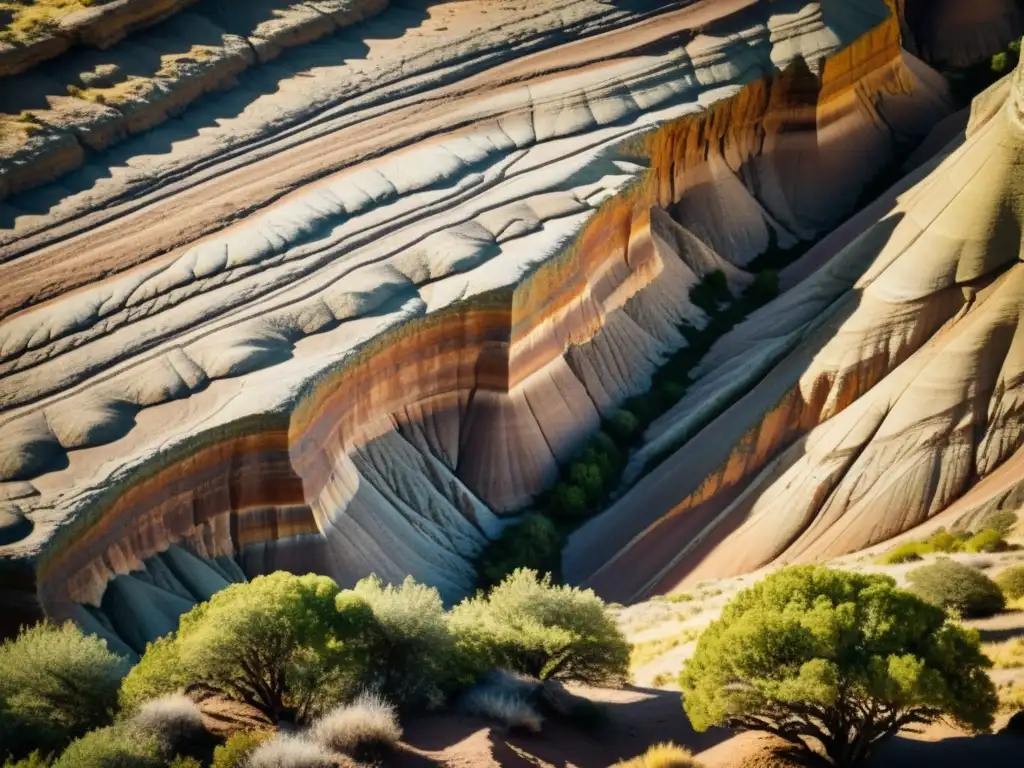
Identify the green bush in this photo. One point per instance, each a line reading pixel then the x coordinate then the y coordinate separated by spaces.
pixel 116 746
pixel 276 643
pixel 568 502
pixel 840 659
pixel 623 425
pixel 587 477
pixel 989 540
pixel 907 552
pixel 1002 520
pixel 952 585
pixel 415 663
pixel 533 542
pixel 56 684
pixel 528 625
pixel 944 541
pixel 34 759
pixel 234 753
pixel 1011 582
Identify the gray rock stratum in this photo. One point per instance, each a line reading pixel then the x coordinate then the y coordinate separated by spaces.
pixel 352 314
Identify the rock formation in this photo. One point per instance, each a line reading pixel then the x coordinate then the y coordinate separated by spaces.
pixel 881 391
pixel 355 328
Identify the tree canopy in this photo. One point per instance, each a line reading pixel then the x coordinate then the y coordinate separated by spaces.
pixel 844 659
pixel 55 684
pixel 277 643
pixel 529 625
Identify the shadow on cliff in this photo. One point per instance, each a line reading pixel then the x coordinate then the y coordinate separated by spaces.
pixel 991 750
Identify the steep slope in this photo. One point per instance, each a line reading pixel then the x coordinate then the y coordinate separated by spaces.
pixel 416 315
pixel 873 395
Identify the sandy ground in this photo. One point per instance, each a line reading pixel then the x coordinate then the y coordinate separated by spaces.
pixel 650 711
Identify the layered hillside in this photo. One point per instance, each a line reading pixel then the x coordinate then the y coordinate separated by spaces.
pixel 362 342
pixel 881 391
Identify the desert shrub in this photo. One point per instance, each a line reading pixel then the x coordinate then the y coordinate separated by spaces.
pixel 234 753
pixel 662 756
pixel 56 684
pixel 622 425
pixel 568 501
pixel 907 552
pixel 988 540
pixel 952 585
pixel 366 727
pixel 944 541
pixel 1011 582
pixel 511 709
pixel 415 663
pixel 1002 520
pixel 534 542
pixel 34 759
pixel 176 724
pixel 185 762
pixel 116 746
pixel 528 625
pixel 588 478
pixel 291 752
pixel 842 659
pixel 276 643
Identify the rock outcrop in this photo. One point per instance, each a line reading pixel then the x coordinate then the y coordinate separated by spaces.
pixel 881 391
pixel 419 309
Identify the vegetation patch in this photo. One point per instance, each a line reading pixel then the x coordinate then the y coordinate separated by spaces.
pixel 641 654
pixel 957 587
pixel 835 661
pixel 943 541
pixel 662 756
pixel 28 20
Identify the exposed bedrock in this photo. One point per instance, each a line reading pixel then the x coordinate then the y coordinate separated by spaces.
pixel 881 390
pixel 369 374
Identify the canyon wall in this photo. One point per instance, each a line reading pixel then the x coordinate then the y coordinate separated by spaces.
pixel 372 372
pixel 880 392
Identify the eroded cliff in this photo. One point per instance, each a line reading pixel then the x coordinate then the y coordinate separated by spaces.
pixel 366 374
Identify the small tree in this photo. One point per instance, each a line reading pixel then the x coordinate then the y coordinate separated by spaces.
pixel 952 585
pixel 276 643
pixel 528 625
pixel 843 659
pixel 534 542
pixel 413 651
pixel 55 685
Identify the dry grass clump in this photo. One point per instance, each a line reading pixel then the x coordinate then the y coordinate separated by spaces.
pixel 1006 655
pixel 649 650
pixel 507 698
pixel 29 20
pixel 293 752
pixel 1011 697
pixel 666 755
pixel 367 726
pixel 175 722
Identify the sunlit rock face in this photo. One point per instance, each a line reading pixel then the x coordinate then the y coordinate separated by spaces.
pixel 363 350
pixel 880 392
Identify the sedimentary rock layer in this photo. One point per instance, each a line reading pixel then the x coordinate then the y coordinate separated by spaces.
pixel 417 315
pixel 882 389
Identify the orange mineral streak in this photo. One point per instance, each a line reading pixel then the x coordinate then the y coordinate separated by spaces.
pixel 219 498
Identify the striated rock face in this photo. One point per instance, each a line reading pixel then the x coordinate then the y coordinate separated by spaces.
pixel 880 392
pixel 418 310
